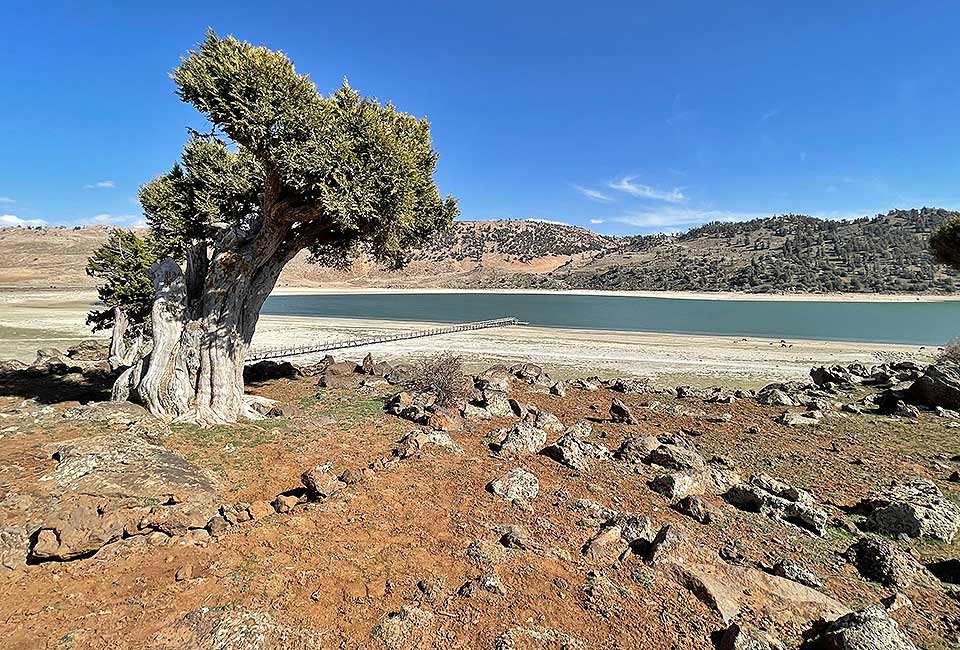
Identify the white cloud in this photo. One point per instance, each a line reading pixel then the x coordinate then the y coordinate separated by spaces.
pixel 101 185
pixel 669 219
pixel 769 115
pixel 7 220
pixel 596 222
pixel 627 185
pixel 593 194
pixel 112 220
pixel 6 199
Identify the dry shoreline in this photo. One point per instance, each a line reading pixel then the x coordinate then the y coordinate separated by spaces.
pixel 31 319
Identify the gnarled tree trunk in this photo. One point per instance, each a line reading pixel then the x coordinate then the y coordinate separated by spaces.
pixel 203 321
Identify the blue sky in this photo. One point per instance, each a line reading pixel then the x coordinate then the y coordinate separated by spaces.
pixel 624 117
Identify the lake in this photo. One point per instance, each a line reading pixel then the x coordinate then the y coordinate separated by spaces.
pixel 921 323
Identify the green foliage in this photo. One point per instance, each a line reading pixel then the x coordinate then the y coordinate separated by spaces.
pixel 121 264
pixel 945 243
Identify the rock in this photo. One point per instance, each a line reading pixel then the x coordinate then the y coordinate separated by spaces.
pixel 267 370
pixel 914 507
pixel 636 450
pixel 824 376
pixel 631 386
pixel 285 503
pixel 728 589
pixel 746 637
pixel 575 453
pixel 620 413
pixel 444 420
pixel 787 568
pixel 471 412
pixel 234 628
pixel 696 508
pixel 607 545
pixel 260 509
pixel 522 438
pixel 585 383
pixel 536 638
pixel 420 441
pixel 342 369
pixel 268 408
pixel 559 389
pixel 881 561
pixel 14 546
pixel 938 386
pixel 497 403
pixel 674 457
pixel 867 629
pixel 184 573
pixel 677 485
pixel 544 420
pixel 774 397
pixel 780 500
pixel 320 483
pixel 789 419
pixel 517 485
pixel 10 366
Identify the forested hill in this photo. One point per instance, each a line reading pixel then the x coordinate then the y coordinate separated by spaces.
pixel 790 253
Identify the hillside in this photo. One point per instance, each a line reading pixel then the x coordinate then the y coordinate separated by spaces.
pixel 788 253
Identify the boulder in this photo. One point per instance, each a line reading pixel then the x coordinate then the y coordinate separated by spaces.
pixel 881 561
pixel 320 483
pixel 497 403
pixel 674 457
pixel 268 371
pixel 90 350
pixel 824 376
pixel 914 507
pixel 420 441
pixel 938 386
pixel 787 568
pixel 619 412
pixel 543 420
pixel 745 637
pixel 559 389
pixel 632 386
pixel 779 500
pixel 696 508
pixel 574 453
pixel 774 396
pixel 867 629
pixel 221 627
pixel 522 438
pixel 517 485
pixel 636 450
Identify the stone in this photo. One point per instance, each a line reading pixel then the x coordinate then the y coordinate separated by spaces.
pixel 619 412
pixel 636 450
pixel 790 419
pixel 285 503
pixel 824 376
pixel 787 568
pixel 746 637
pixel 320 483
pixel 774 397
pixel 631 386
pixel 696 508
pixel 260 509
pixel 517 485
pixel 522 438
pixel 677 485
pixel 575 453
pixel 218 525
pixel 471 412
pixel 674 457
pixel 779 500
pixel 420 441
pixel 881 561
pixel 268 370
pixel 14 546
pixel 235 628
pixel 184 573
pixel 607 545
pixel 868 629
pixel 559 389
pixel 497 403
pixel 914 507
pixel 544 420
pixel 938 386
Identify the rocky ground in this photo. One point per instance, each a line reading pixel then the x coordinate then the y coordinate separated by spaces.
pixel 532 513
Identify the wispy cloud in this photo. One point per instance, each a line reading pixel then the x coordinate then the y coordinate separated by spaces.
pixel 627 185
pixel 7 220
pixel 594 195
pixel 671 218
pixel 129 220
pixel 596 222
pixel 6 199
pixel 100 185
pixel 769 115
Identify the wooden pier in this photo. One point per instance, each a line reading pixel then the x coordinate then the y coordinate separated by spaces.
pixel 259 354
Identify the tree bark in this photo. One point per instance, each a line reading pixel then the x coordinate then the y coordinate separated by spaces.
pixel 202 325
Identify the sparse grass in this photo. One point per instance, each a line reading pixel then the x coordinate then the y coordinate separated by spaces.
pixel 349 408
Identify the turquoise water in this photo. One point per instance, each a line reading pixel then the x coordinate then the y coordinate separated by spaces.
pixel 922 323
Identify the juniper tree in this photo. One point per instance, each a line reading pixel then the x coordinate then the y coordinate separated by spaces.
pixel 285 169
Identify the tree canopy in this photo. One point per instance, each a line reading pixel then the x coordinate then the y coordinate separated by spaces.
pixel 945 243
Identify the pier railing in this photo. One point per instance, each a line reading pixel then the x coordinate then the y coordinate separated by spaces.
pixel 259 354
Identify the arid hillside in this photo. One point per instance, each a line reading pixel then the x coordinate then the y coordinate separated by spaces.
pixel 789 253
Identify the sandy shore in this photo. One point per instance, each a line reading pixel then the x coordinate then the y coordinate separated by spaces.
pixel 30 319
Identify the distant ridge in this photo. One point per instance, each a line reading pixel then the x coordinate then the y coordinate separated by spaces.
pixel 778 254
